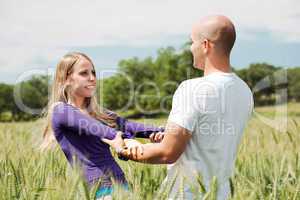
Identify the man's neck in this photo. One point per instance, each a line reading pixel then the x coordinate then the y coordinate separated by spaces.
pixel 222 66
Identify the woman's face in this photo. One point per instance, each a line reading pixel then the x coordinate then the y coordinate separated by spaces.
pixel 83 79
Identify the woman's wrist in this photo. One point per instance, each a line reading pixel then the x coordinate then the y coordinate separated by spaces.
pixel 119 150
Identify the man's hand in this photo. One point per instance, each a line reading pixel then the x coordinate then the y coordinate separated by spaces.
pixel 133 148
pixel 157 137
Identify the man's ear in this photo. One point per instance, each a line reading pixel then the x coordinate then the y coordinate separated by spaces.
pixel 205 46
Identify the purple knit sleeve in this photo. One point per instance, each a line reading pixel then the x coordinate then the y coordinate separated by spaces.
pixel 134 129
pixel 67 116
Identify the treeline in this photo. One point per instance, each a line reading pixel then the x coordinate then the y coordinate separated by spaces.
pixel 23 101
pixel 146 86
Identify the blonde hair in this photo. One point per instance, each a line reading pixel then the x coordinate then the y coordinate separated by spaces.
pixel 60 93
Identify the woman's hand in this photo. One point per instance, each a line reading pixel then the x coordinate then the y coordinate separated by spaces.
pixel 117 143
pixel 157 137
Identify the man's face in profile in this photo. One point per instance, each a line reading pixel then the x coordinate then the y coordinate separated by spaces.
pixel 197 51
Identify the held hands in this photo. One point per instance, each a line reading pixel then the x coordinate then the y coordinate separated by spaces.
pixel 134 148
pixel 128 148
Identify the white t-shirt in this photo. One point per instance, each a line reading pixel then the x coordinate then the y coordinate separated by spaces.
pixel 215 109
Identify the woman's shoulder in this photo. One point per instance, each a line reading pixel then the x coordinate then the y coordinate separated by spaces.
pixel 57 112
pixel 60 111
pixel 58 105
pixel 62 107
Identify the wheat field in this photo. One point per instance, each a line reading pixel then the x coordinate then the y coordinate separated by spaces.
pixel 267 166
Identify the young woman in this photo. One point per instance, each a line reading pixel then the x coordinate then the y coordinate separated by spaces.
pixel 78 124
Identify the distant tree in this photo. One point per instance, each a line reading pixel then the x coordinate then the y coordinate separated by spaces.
pixel 33 94
pixel 115 92
pixel 6 97
pixel 294 83
pixel 260 78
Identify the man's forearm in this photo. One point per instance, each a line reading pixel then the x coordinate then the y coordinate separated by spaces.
pixel 153 153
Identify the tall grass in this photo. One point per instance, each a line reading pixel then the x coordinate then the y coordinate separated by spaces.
pixel 267 167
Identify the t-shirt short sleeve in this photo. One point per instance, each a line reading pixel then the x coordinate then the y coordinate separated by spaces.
pixel 193 101
pixel 184 112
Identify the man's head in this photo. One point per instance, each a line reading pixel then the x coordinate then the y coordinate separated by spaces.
pixel 212 35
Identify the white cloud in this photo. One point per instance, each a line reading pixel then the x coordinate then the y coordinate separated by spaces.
pixel 65 23
pixel 35 29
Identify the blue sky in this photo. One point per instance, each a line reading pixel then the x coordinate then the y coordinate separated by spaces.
pixel 35 34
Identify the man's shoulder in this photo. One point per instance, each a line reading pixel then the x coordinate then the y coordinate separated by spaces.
pixel 193 80
pixel 201 84
pixel 191 83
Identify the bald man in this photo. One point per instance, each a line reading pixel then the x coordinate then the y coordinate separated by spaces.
pixel 207 119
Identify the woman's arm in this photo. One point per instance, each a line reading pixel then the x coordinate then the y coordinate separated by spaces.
pixel 134 129
pixel 70 117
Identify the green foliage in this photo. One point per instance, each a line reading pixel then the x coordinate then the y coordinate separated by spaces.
pixel 32 94
pixel 116 92
pixel 294 83
pixel 6 97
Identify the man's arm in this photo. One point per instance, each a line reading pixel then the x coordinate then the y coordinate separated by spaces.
pixel 165 152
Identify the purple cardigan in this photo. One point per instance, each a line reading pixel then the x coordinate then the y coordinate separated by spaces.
pixel 79 137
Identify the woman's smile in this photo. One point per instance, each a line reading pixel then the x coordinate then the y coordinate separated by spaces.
pixel 90 87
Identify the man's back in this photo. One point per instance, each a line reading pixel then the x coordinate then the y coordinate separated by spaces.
pixel 215 109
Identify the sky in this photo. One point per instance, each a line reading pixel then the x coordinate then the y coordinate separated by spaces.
pixel 36 34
